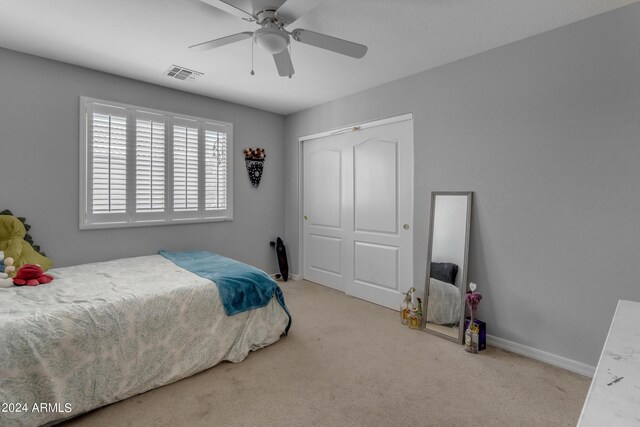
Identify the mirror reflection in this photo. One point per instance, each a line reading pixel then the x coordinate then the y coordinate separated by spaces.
pixel 447 263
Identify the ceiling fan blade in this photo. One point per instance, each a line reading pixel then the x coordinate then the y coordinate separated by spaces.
pixel 292 10
pixel 283 63
pixel 231 9
pixel 333 44
pixel 222 41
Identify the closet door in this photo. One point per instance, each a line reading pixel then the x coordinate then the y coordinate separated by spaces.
pixel 382 211
pixel 326 222
pixel 358 208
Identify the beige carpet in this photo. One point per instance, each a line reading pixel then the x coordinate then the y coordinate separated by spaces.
pixel 347 362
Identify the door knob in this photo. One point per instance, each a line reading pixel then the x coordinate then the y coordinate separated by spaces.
pixel 306 218
pixel 406 226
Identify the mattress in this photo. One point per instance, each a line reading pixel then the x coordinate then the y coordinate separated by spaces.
pixel 102 332
pixel 444 303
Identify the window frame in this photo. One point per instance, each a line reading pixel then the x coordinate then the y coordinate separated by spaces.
pixel 89 221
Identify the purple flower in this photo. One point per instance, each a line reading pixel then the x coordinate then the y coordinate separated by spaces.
pixel 473 300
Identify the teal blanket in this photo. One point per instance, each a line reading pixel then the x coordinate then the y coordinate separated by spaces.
pixel 241 286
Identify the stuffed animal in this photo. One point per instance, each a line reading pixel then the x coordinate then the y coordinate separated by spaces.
pixel 31 275
pixel 6 270
pixel 7 266
pixel 27 227
pixel 12 233
pixel 6 282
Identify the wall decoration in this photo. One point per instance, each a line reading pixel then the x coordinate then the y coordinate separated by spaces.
pixel 254 159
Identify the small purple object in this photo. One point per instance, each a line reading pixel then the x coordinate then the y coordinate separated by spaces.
pixel 482 335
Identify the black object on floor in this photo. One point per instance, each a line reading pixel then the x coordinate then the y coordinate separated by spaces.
pixel 281 253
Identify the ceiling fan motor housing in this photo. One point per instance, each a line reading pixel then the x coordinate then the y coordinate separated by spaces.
pixel 271 37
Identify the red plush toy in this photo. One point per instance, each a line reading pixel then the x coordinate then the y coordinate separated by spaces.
pixel 31 275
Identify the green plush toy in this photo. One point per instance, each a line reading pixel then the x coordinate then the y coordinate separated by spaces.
pixel 12 233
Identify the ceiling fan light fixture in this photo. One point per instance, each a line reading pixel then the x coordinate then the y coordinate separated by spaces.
pixel 271 40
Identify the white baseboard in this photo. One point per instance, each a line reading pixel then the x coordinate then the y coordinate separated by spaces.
pixel 542 356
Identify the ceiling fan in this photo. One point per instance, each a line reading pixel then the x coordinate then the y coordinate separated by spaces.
pixel 273 37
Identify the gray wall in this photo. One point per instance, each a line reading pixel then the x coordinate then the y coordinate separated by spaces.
pixel 39 165
pixel 546 132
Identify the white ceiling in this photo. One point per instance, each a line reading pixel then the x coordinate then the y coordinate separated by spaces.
pixel 140 39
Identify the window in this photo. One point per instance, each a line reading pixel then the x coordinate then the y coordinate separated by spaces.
pixel 148 167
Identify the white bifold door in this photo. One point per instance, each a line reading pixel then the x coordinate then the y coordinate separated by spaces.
pixel 358 212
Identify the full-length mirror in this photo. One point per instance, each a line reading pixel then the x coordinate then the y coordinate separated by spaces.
pixel 447 260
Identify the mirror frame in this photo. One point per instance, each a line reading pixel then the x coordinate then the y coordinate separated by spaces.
pixel 464 284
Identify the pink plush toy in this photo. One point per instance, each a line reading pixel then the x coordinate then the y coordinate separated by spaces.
pixel 31 275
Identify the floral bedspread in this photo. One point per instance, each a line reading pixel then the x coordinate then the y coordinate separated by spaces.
pixel 102 332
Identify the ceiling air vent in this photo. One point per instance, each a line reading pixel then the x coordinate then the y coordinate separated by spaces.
pixel 182 73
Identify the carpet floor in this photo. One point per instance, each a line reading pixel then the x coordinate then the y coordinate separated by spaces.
pixel 347 362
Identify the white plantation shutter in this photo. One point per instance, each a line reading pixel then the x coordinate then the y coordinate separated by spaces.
pixel 149 167
pixel 107 162
pixel 150 163
pixel 185 167
pixel 215 152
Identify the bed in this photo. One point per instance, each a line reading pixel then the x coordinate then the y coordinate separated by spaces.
pixel 103 332
pixel 444 303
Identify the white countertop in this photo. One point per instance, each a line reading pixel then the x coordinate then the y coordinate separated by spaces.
pixel 614 396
